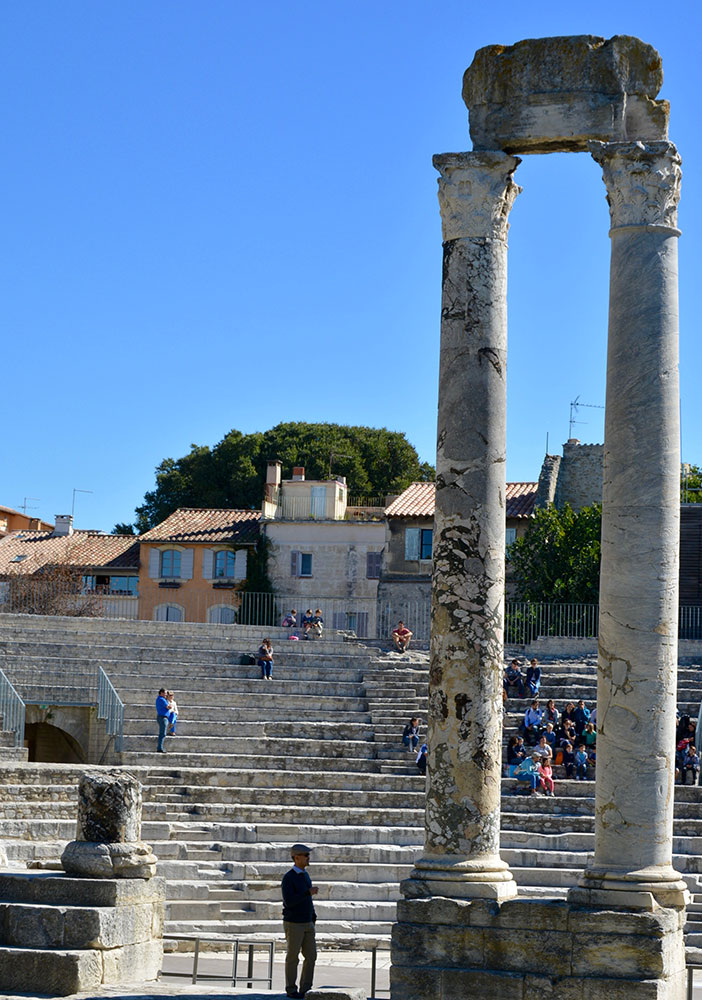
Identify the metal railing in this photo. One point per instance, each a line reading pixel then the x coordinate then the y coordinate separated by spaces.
pixel 11 709
pixel 110 708
pixel 526 622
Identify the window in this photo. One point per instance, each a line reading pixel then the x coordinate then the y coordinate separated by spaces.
pixel 124 585
pixel 170 563
pixel 18 558
pixel 510 535
pixel 426 543
pixel 169 613
pixel 221 614
pixel 300 564
pixel 224 564
pixel 373 562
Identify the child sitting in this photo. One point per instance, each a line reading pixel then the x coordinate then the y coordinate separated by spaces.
pixel 590 736
pixel 550 736
pixel 581 763
pixel 568 759
pixel 546 776
pixel 691 762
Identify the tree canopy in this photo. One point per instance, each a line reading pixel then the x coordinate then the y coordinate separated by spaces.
pixel 558 559
pixel 691 487
pixel 232 473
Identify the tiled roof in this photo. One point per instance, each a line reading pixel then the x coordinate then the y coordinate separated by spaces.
pixel 86 549
pixel 206 524
pixel 418 500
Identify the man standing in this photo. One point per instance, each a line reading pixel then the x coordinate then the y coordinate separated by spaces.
pixel 298 921
pixel 162 716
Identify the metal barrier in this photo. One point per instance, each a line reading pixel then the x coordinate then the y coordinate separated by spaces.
pixel 236 943
pixel 110 708
pixel 11 709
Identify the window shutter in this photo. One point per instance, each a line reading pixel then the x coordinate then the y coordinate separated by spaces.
pixel 186 564
pixel 339 619
pixel 240 557
pixel 294 564
pixel 207 561
pixel 373 563
pixel 362 624
pixel 154 564
pixel 412 537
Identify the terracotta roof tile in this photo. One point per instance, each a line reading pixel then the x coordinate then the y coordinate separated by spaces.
pixel 418 500
pixel 206 524
pixel 85 549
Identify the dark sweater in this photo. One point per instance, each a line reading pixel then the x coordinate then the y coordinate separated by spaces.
pixel 297 900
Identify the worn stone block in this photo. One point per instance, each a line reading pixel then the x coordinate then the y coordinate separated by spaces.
pixel 437 946
pixel 109 807
pixel 650 924
pixel 107 927
pixel 49 887
pixel 528 951
pixel 133 963
pixel 34 927
pixel 535 914
pixel 415 984
pixel 629 956
pixel 439 910
pixel 548 94
pixel 60 973
pixel 457 984
pixel 546 988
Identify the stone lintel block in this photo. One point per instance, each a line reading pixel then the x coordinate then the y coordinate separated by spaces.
pixel 545 988
pixel 549 94
pixel 49 887
pixel 619 956
pixel 59 973
pixel 415 984
pixel 526 950
pixel 458 984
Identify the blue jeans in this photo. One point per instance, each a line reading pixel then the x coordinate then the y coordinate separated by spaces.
pixel 411 740
pixel 162 724
pixel 266 668
pixel 172 719
pixel 532 779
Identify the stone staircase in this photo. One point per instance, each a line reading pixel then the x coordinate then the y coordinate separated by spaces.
pixel 313 755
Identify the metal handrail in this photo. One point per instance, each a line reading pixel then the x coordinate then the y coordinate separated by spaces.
pixel 12 709
pixel 111 708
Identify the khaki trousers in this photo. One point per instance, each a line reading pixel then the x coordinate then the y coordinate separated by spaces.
pixel 299 937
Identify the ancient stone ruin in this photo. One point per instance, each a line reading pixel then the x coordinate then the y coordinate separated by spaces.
pixel 101 923
pixel 461 929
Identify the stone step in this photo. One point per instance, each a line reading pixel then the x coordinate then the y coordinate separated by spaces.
pixel 270 747
pixel 275 714
pixel 305 729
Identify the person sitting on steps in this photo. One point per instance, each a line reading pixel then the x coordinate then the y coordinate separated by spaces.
pixel 401 637
pixel 410 735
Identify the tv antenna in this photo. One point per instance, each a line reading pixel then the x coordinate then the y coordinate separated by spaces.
pixel 25 506
pixel 574 407
pixel 73 505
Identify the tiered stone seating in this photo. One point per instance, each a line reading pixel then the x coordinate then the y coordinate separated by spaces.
pixel 314 755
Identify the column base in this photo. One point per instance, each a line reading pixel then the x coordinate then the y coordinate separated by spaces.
pixel 644 889
pixel 532 948
pixel 458 878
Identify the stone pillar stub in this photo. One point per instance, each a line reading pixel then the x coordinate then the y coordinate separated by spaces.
pixel 108 832
pixel 546 95
pixel 461 854
pixel 637 672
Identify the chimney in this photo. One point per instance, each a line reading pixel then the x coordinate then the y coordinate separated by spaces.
pixel 273 472
pixel 34 524
pixel 298 473
pixel 64 525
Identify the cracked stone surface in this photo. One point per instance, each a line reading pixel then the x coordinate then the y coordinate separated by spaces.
pixel 476 191
pixel 636 693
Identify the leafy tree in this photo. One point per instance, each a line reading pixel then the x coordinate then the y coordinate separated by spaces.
pixel 375 461
pixel 558 559
pixel 691 485
pixel 123 529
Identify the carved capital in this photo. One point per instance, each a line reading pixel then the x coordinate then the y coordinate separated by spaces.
pixel 476 193
pixel 643 182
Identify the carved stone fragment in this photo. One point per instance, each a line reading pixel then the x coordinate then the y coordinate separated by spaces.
pixel 546 95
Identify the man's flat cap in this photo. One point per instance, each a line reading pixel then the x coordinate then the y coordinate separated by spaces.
pixel 299 849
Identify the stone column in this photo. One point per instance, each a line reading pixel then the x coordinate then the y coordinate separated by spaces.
pixel 636 688
pixel 462 836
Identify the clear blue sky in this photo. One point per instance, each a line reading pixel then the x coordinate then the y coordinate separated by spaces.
pixel 222 214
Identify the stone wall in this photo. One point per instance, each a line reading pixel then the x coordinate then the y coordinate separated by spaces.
pixel 575 478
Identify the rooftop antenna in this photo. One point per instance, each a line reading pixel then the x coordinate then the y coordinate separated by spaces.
pixel 73 505
pixel 25 507
pixel 574 407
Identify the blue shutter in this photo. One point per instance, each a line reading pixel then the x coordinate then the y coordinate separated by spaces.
pixel 186 564
pixel 207 560
pixel 294 563
pixel 154 564
pixel 412 541
pixel 240 557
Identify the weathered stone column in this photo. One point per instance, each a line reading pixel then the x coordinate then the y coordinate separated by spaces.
pixel 636 688
pixel 462 837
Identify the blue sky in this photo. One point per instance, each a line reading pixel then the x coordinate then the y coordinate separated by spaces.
pixel 223 215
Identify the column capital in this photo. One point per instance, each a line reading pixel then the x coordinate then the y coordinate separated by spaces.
pixel 642 180
pixel 476 193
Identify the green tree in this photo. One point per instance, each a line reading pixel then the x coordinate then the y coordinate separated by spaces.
pixel 123 529
pixel 232 473
pixel 558 559
pixel 691 485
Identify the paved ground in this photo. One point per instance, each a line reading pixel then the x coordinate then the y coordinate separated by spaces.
pixel 343 969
